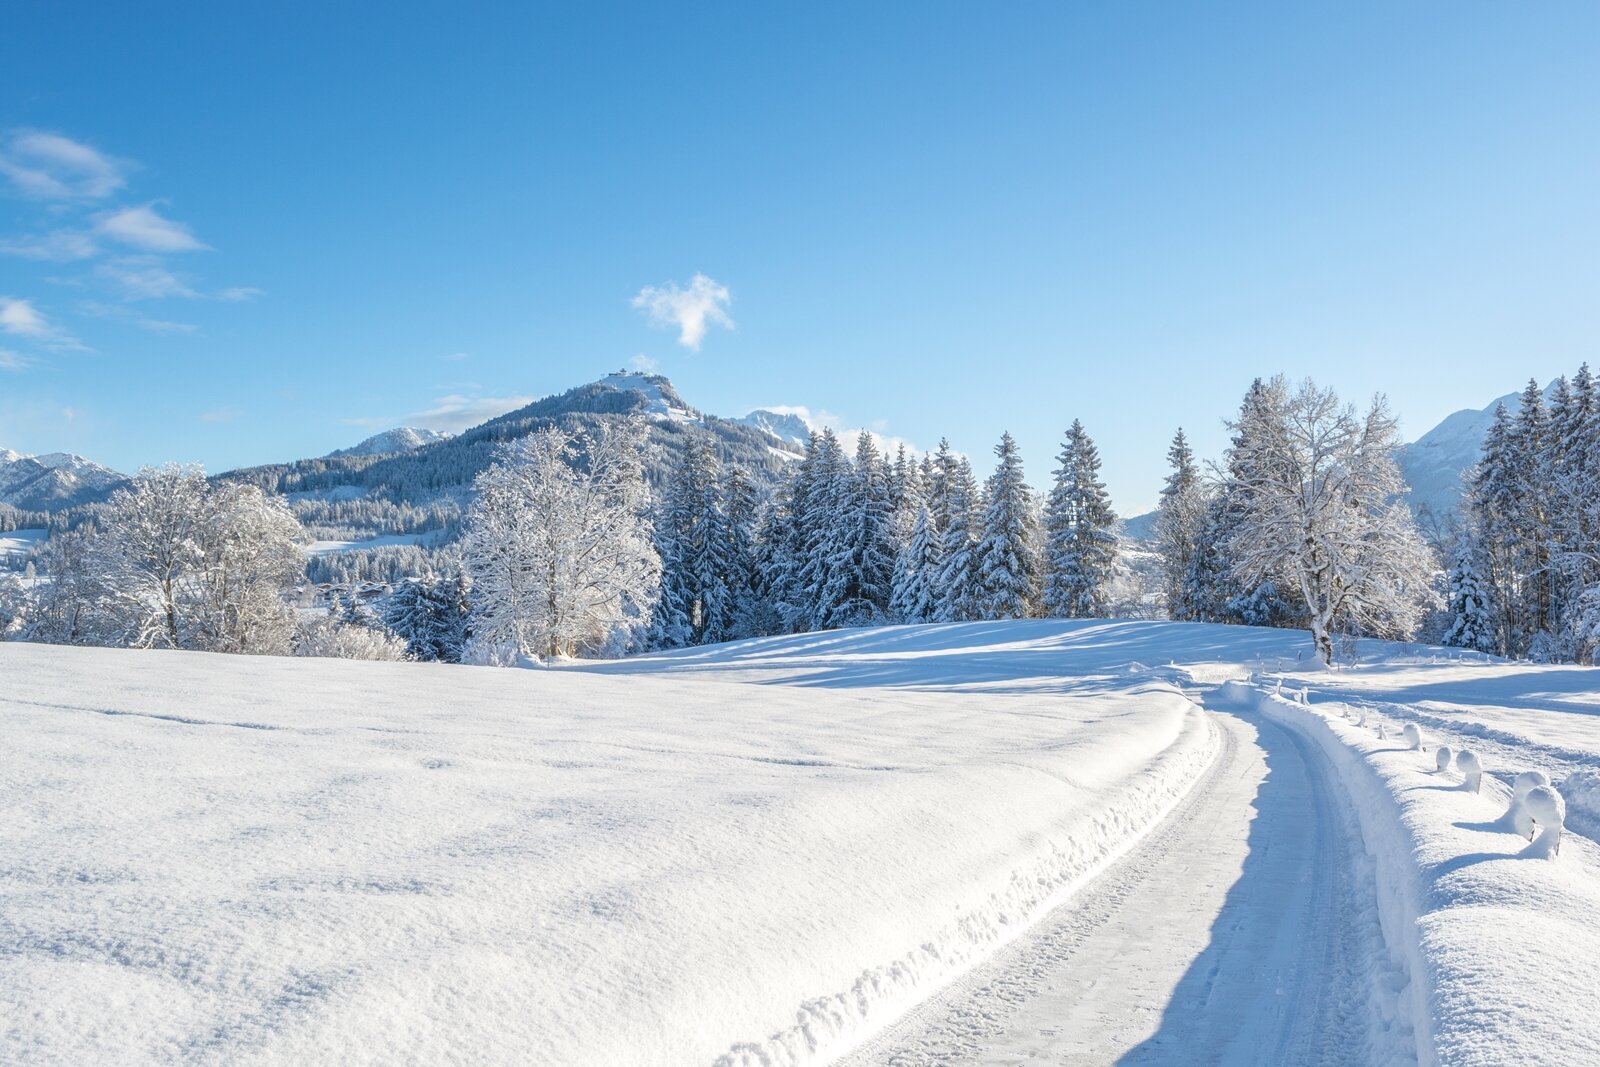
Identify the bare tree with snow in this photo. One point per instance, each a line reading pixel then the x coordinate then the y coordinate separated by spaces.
pixel 559 545
pixel 200 566
pixel 1320 512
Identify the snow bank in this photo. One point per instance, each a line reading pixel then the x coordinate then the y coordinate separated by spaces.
pixel 751 855
pixel 1502 952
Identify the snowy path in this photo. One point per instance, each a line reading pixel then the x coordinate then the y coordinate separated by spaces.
pixel 1243 930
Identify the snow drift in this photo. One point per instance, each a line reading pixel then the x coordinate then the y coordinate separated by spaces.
pixel 1500 948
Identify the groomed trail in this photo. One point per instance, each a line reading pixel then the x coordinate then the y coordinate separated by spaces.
pixel 1243 930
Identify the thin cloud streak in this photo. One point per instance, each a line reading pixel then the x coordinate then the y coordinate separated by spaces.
pixel 48 166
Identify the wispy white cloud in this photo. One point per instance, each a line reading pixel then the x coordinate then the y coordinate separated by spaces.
pixel 455 357
pixel 12 360
pixel 144 279
pixel 21 319
pixel 643 364
pixel 457 412
pixel 691 310
pixel 143 227
pixel 227 414
pixel 123 313
pixel 236 293
pixel 48 166
pixel 57 246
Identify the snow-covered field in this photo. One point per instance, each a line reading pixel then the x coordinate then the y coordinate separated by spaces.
pixel 20 542
pixel 771 851
pixel 323 548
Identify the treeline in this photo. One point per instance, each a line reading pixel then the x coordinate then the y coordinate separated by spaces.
pixel 568 548
pixel 1524 575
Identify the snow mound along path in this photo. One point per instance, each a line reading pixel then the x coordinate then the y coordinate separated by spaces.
pixel 1498 937
pixel 759 853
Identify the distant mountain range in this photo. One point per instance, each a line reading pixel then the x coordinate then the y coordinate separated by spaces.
pixel 53 481
pixel 408 465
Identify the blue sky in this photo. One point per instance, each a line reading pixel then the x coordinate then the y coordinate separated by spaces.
pixel 236 235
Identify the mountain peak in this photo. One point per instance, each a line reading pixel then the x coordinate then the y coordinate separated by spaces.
pixel 661 399
pixel 52 480
pixel 400 439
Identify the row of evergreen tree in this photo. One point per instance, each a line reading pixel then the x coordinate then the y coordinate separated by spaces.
pixel 1524 576
pixel 865 539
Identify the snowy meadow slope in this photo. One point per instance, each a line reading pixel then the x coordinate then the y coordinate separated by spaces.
pixel 256 860
pixel 763 852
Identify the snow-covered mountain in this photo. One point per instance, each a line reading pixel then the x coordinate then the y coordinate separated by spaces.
pixel 400 439
pixel 1433 463
pixel 443 469
pixel 53 480
pixel 784 425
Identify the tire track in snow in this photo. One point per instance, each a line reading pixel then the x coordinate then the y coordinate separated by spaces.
pixel 1181 954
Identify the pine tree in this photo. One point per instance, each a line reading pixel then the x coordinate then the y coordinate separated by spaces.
pixel 741 514
pixel 1471 612
pixel 1180 522
pixel 958 572
pixel 1008 569
pixel 823 530
pixel 1530 446
pixel 692 539
pixel 429 614
pixel 916 573
pixel 1080 534
pixel 1493 504
pixel 861 570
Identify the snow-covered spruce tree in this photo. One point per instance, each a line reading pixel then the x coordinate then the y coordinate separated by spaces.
pixel 916 574
pixel 741 506
pixel 429 613
pixel 558 544
pixel 1007 559
pixel 1471 612
pixel 1180 523
pixel 957 584
pixel 783 545
pixel 774 563
pixel 200 566
pixel 1320 513
pixel 818 597
pixel 1529 445
pixel 1080 540
pixel 940 470
pixel 691 538
pixel 861 572
pixel 1492 502
pixel 1572 499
